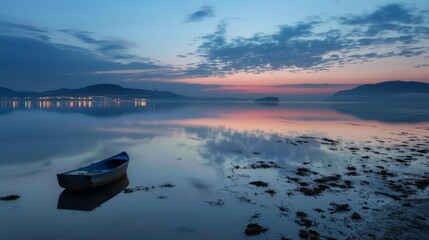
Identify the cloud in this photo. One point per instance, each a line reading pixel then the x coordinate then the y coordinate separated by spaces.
pixel 17 29
pixel 317 85
pixel 203 13
pixel 421 65
pixel 289 47
pixel 109 48
pixel 391 13
pixel 392 30
pixel 31 62
pixel 395 18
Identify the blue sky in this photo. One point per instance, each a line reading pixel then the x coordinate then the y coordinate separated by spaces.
pixel 211 47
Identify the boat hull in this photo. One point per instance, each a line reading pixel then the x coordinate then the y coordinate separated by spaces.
pixel 76 182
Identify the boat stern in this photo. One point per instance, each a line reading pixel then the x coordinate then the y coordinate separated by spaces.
pixel 74 181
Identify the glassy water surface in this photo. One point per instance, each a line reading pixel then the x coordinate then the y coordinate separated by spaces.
pixel 207 170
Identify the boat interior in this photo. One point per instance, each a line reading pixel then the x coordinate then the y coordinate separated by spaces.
pixel 99 167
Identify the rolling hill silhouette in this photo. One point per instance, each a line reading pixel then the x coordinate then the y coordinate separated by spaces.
pixel 105 90
pixel 385 91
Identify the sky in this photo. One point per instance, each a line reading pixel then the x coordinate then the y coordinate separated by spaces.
pixel 242 48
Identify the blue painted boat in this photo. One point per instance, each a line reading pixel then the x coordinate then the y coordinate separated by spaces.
pixel 97 174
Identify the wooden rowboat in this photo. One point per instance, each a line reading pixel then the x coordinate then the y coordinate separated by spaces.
pixel 94 175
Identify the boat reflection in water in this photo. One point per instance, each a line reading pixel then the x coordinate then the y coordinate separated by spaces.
pixel 88 200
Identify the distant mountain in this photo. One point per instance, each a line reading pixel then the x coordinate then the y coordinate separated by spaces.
pixel 103 90
pixel 8 93
pixel 267 99
pixel 112 90
pixel 385 91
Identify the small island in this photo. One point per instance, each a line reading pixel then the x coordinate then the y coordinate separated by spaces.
pixel 267 99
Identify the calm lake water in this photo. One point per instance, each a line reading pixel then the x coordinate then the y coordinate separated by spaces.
pixel 312 156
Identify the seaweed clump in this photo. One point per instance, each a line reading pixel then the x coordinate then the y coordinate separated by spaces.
pixel 167 185
pixel 304 172
pixel 310 234
pixel 263 165
pixel 253 229
pixel 271 192
pixel 339 207
pixel 9 197
pixel 259 183
pixel 302 219
pixel 218 202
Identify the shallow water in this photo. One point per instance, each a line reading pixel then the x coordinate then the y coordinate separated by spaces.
pixel 206 150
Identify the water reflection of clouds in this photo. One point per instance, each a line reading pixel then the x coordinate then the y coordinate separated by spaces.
pixel 200 184
pixel 131 130
pixel 221 145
